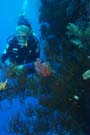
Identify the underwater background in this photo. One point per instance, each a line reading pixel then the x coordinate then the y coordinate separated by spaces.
pixel 60 105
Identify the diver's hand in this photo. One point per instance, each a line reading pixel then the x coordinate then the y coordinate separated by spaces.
pixel 14 70
pixel 19 69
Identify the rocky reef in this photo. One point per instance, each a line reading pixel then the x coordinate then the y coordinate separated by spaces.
pixel 57 104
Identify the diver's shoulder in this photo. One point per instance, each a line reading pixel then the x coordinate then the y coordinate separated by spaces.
pixel 11 39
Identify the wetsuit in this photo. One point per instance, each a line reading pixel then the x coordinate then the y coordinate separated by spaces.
pixel 21 55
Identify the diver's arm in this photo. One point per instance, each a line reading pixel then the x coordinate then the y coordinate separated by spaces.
pixel 4 57
pixel 29 67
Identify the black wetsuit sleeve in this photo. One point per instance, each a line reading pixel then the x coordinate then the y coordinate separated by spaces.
pixel 30 67
pixel 5 54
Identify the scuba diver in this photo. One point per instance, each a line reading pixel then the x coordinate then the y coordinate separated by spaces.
pixel 22 54
pixel 23 47
pixel 23 51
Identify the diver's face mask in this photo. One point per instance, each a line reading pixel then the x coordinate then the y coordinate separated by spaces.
pixel 22 35
pixel 22 39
